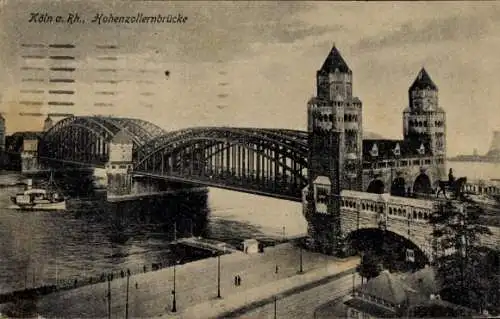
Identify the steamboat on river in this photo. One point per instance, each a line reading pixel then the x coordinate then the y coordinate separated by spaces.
pixel 48 198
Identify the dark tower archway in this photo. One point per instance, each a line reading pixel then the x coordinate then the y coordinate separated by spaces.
pixel 422 185
pixel 398 187
pixel 376 186
pixel 390 246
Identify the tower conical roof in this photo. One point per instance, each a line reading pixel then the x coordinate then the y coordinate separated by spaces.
pixel 423 81
pixel 335 61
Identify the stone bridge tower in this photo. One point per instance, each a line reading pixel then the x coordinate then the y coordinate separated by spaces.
pixel 424 122
pixel 119 166
pixel 335 150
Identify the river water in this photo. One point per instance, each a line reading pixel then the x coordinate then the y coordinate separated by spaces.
pixel 37 247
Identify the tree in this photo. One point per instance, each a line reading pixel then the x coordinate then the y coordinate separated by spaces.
pixel 370 266
pixel 462 267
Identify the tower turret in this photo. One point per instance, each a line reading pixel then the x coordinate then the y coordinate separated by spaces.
pixel 334 78
pixel 335 148
pixel 424 121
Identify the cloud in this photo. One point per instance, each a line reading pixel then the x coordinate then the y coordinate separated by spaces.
pixel 212 32
pixel 468 25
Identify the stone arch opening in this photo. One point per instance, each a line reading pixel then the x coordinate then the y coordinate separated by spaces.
pixel 398 187
pixel 391 247
pixel 422 184
pixel 376 186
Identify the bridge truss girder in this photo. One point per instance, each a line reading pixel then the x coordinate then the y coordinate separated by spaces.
pixel 260 160
pixel 85 139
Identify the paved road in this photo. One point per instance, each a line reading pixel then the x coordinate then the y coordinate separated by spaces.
pixel 195 283
pixel 302 305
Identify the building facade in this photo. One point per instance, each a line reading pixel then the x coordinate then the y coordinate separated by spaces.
pixel 340 159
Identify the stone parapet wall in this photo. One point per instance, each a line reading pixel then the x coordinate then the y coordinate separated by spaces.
pixel 406 217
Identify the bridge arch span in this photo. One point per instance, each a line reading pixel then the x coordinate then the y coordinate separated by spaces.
pixel 422 184
pixel 395 242
pixel 84 139
pixel 265 160
pixel 376 186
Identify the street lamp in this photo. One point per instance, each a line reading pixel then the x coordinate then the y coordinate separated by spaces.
pixel 353 282
pixel 174 303
pixel 218 276
pixel 275 306
pixel 301 270
pixel 126 302
pixel 110 277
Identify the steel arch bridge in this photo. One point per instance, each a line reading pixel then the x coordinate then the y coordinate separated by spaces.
pixel 270 162
pixel 83 140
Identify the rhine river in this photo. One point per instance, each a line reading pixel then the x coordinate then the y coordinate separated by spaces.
pixel 37 247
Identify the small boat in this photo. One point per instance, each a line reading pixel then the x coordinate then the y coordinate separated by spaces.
pixel 39 198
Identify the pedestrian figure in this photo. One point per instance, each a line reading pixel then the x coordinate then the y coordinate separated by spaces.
pixel 144 268
pixel 122 273
pixel 236 280
pixel 136 285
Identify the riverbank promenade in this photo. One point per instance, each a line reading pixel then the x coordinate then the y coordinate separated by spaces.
pixel 196 286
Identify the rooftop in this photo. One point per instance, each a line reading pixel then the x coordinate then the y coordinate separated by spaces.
pixel 388 287
pixel 334 61
pixel 423 81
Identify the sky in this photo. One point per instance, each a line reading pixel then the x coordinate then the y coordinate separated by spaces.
pixel 253 64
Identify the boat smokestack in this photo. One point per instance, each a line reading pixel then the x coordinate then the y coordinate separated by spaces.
pixel 495 145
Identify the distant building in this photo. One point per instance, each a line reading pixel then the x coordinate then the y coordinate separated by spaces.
pixel 494 150
pixel 390 296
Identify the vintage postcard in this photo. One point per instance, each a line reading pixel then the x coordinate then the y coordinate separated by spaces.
pixel 212 159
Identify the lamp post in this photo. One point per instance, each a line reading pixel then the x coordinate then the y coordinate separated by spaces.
pixel 126 301
pixel 109 295
pixel 218 276
pixel 301 270
pixel 175 231
pixel 353 282
pixel 174 303
pixel 275 306
pixel 191 227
